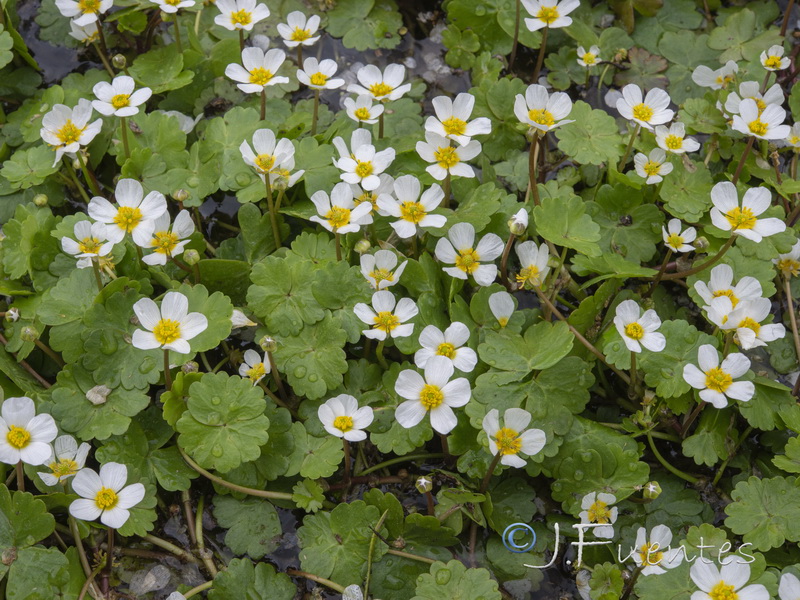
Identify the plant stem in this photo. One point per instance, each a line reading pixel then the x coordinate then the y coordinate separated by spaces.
pixel 316 578
pixel 516 36
pixel 241 40
pixel 372 542
pixel 786 16
pixel 706 264
pixel 205 555
pixel 337 239
pixel 315 115
pixel 792 316
pixel 540 59
pixel 172 548
pixel 660 274
pixel 196 590
pixel 738 171
pixel 102 39
pixel 89 581
pixel 632 582
pixel 724 465
pixel 187 512
pixel 273 217
pixel 300 56
pixel 379 355
pixel 103 59
pixel 401 459
pixel 624 160
pixel 75 180
pixel 691 418
pixel 489 472
pixel 109 554
pixel 20 477
pixel 263 104
pixel 533 172
pixel 634 377
pixel 674 470
pixel 416 557
pixel 346 448
pixel 167 374
pixel 380 125
pixel 47 350
pixel 177 27
pixel 86 175
pixel 123 122
pixel 447 184
pixel 276 376
pixel 504 260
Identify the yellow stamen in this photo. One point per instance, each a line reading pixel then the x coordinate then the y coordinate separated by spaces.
pixel 338 217
pixel 789 267
pixel 589 58
pixel 362 114
pixel 547 14
pixel 447 157
pixel 167 331
pixel 89 245
pixel 599 513
pixel 642 112
pixel 454 126
pixel 367 197
pixel 18 437
pixel 300 35
pixel 729 294
pixel 69 133
pixel 674 241
pixel 723 591
pixel 260 76
pixel 106 498
pixel 650 555
pixel 89 6
pixel 256 372
pixel 165 242
pixel 750 323
pixel 431 396
pixel 380 89
pixel 651 168
pixel 64 468
pixel 508 441
pixel 468 260
pixel 319 79
pixel 412 211
pixel 446 349
pixel 741 218
pixel 758 127
pixel 634 331
pixel 381 275
pixel 364 169
pixel 773 62
pixel 673 142
pixel 386 321
pixel 241 17
pixel 121 101
pixel 718 380
pixel 529 276
pixel 542 116
pixel 264 162
pixel 343 424
pixel 128 218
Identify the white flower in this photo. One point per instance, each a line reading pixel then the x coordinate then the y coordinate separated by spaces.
pixel 677 240
pixel 654 553
pixel 793 139
pixel 434 394
pixel 752 90
pixel 352 592
pixel 169 328
pixel 727 583
pixel 512 439
pixel 413 211
pixel 590 58
pixel 254 367
pixel 502 306
pixel 24 435
pixel 240 14
pixel 729 216
pixel 715 79
pixel 269 155
pixel 533 264
pixel 105 495
pixel 359 138
pixel 449 344
pixel 789 264
pixel 341 416
pixel 362 109
pixel 186 123
pixel 171 6
pixel 338 213
pixel 90 240
pixel 168 242
pixel 721 284
pixel 716 382
pixel 12 314
pixel 386 318
pixel 259 71
pixel 446 158
pixel 789 588
pixel 746 319
pixel 118 98
pixel 371 196
pixel 135 213
pixel 66 459
pixel 549 13
pixel 239 319
pixel 298 30
pixel 638 329
pixel 379 269
pixel 647 112
pixel 83 12
pixel 653 167
pixel 452 119
pixel 384 86
pixel 774 60
pixel 518 224
pixel 542 111
pixel 84 33
pixel 67 129
pixel 597 509
pixel 317 74
pixel 364 165
pixel 460 250
pixel 766 125
pixel 673 139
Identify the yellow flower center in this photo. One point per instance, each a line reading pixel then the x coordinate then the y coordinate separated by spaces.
pixel 599 513
pixel 589 58
pixel 674 241
pixel 167 331
pixel 338 217
pixel 412 211
pixel 264 162
pixel 529 276
pixel 386 321
pixel 729 294
pixel 547 14
pixel 343 424
pixel 256 372
pixel 431 396
pixel 127 218
pixel 362 114
pixel 741 218
pixel 789 267
pixel 758 127
pixel 651 168
pixel 18 437
pixel 750 323
pixel 447 157
pixel 106 498
pixel 89 245
pixel 642 112
pixel 773 62
pixel 64 468
pixel 673 142
pixel 380 89
pixel 69 133
pixel 364 169
pixel 634 331
pixel 447 350
pixel 794 140
pixel 172 2
pixel 318 79
pixel 723 591
pixel 241 17
pixel 649 555
pixel 507 441
pixel 300 35
pixel 165 242
pixel 718 380
pixel 468 260
pixel 502 321
pixel 367 197
pixel 760 104
pixel 120 101
pixel 542 116
pixel 89 6
pixel 260 76
pixel 381 275
pixel 454 126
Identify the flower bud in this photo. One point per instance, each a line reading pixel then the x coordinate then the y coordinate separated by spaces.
pixel 281 183
pixel 98 394
pixel 12 314
pixel 191 257
pixel 40 200
pixel 518 224
pixel 424 485
pixel 190 367
pixel 651 490
pixel 701 244
pixel 76 164
pixel 239 319
pixel 119 61
pixel 362 246
pixel 181 195
pixel 29 334
pixel 268 343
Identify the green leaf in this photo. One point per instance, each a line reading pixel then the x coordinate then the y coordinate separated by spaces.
pixel 461 47
pixel 685 50
pixel 790 460
pixel 242 580
pixel 363 25
pixel 253 525
pixel 593 138
pixel 455 582
pixel 707 445
pixel 217 309
pixel 6 43
pixel 28 230
pixel 701 116
pixel 644 68
pixel 606 582
pixel 143 515
pixel 39 573
pixel 688 197
pixel 763 409
pixel 224 424
pixel 567 224
pixel 314 457
pixel 160 70
pixel 737 37
pixel 24 520
pixel 69 299
pixel 766 512
pixel 29 167
pixel 542 346
pixel 308 495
